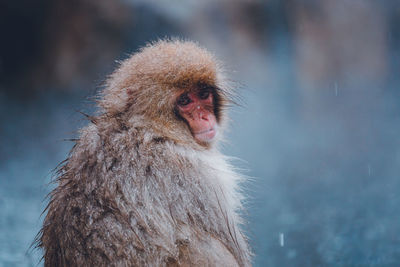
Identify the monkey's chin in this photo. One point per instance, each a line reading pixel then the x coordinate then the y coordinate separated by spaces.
pixel 205 136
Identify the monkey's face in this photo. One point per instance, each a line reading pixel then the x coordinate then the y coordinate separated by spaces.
pixel 197 109
pixel 176 87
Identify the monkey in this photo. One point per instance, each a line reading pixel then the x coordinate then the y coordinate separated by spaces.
pixel 145 183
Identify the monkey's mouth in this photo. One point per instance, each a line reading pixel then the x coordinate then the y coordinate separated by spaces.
pixel 205 136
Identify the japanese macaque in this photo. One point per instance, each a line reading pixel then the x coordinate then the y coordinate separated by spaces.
pixel 145 184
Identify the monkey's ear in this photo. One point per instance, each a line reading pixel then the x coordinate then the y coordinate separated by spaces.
pixel 114 100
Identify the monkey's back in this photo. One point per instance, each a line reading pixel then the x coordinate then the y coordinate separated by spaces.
pixel 130 197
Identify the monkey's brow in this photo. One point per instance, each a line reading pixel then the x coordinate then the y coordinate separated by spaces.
pixel 204 85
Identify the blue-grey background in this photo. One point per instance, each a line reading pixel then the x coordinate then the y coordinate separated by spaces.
pixel 318 131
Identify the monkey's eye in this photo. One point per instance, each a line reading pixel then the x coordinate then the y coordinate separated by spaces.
pixel 203 94
pixel 184 100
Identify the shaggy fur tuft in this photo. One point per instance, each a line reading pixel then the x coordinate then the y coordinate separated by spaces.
pixel 136 189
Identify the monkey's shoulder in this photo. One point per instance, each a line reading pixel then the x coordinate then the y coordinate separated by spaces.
pixel 137 152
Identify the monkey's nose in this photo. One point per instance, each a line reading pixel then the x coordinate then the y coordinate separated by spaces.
pixel 204 116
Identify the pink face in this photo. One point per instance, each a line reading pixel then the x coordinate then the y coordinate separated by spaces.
pixel 197 108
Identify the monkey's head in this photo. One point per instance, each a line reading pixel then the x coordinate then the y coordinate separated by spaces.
pixel 175 85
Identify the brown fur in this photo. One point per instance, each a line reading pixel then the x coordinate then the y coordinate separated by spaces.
pixel 137 189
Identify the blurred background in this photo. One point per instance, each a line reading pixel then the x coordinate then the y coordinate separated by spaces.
pixel 318 132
